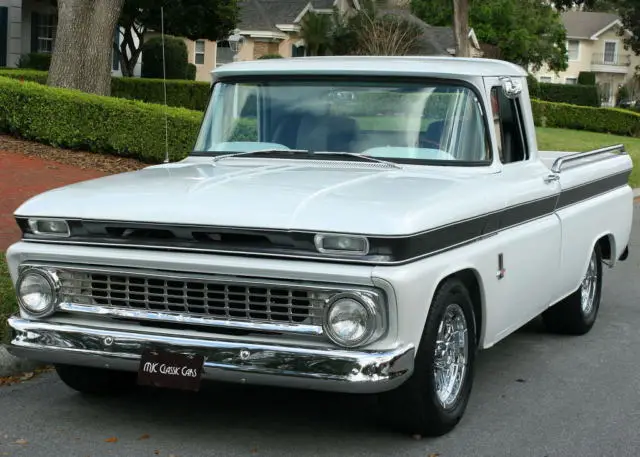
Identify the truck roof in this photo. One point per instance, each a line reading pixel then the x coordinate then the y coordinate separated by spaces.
pixel 374 65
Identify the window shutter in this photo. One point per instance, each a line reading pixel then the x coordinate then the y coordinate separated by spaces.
pixel 116 49
pixel 4 33
pixel 34 32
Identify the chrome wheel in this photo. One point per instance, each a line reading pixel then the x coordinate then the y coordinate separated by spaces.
pixel 451 354
pixel 589 284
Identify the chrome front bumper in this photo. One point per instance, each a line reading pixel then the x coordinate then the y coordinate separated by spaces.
pixel 276 365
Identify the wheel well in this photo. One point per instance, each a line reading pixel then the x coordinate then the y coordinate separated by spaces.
pixel 606 244
pixel 470 280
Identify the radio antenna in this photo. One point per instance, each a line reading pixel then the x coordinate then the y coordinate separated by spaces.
pixel 164 87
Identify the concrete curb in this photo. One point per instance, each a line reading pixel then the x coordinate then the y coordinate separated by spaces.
pixel 10 365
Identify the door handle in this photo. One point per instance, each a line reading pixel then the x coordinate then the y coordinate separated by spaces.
pixel 551 178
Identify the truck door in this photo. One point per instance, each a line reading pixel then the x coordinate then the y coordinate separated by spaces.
pixel 530 231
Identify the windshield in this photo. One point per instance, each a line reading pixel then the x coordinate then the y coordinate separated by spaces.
pixel 402 122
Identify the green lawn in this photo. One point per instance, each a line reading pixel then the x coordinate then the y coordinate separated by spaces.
pixel 8 304
pixel 576 140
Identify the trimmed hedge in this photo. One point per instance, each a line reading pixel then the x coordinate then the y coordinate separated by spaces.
pixel 574 94
pixel 35 76
pixel 605 120
pixel 76 120
pixel 192 95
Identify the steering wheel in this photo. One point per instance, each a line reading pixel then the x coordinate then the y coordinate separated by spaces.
pixel 422 142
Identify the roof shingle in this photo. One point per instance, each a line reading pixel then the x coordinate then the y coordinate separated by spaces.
pixel 583 24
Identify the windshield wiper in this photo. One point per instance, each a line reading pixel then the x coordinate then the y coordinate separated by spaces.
pixel 308 153
pixel 262 151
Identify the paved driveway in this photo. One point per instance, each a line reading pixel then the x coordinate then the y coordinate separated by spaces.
pixel 535 395
pixel 22 177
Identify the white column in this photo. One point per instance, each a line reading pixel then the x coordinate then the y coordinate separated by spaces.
pixel 14 43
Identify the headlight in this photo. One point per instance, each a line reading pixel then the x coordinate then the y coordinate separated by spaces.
pixel 342 244
pixel 49 227
pixel 351 320
pixel 37 292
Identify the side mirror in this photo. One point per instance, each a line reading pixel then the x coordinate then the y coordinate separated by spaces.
pixel 511 89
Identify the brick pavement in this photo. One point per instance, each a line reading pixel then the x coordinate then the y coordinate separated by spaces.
pixel 22 177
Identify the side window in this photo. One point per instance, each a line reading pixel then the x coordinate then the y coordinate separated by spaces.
pixel 507 123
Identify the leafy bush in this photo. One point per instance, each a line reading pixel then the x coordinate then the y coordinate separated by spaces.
pixel 73 119
pixel 606 120
pixel 35 61
pixel 270 56
pixel 190 71
pixel 587 78
pixel 175 54
pixel 36 76
pixel 184 94
pixel 575 94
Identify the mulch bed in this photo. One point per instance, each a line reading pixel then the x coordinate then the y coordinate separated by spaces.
pixel 82 159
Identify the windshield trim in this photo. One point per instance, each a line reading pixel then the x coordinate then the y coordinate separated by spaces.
pixel 418 79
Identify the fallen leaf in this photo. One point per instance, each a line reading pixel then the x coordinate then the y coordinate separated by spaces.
pixel 156 452
pixel 22 441
pixel 144 437
pixel 435 454
pixel 113 439
pixel 27 375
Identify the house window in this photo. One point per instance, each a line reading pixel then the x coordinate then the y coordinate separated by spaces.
pixel 224 54
pixel 573 48
pixel 45 32
pixel 609 52
pixel 298 51
pixel 545 79
pixel 199 58
pixel 571 80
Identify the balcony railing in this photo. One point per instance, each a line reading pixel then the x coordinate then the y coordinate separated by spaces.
pixel 609 59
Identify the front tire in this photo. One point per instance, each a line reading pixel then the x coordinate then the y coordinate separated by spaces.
pixel 433 400
pixel 96 381
pixel 576 314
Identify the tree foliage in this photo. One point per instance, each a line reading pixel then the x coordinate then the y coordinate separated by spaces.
pixel 192 19
pixel 371 30
pixel 529 33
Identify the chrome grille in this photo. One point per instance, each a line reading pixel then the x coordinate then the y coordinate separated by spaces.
pixel 230 299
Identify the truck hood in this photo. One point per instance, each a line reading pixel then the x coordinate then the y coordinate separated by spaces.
pixel 277 194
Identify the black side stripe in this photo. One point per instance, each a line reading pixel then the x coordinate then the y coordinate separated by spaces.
pixel 384 250
pixel 582 192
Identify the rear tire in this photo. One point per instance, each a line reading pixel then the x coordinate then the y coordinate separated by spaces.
pixel 447 348
pixel 96 381
pixel 576 314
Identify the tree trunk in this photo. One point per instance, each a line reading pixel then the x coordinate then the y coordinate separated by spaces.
pixel 461 27
pixel 84 45
pixel 129 53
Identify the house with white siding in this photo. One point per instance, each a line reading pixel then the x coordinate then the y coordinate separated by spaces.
pixel 28 26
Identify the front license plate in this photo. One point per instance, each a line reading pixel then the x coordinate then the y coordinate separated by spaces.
pixel 170 370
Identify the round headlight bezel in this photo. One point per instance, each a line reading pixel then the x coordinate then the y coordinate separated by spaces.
pixel 53 282
pixel 371 323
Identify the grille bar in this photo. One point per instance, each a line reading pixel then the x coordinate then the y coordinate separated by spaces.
pixel 252 304
pixel 290 304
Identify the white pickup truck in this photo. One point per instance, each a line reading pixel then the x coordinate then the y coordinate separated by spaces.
pixel 354 224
